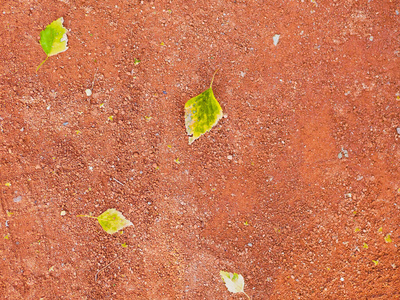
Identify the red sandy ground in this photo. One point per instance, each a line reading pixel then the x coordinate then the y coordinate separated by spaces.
pixel 331 83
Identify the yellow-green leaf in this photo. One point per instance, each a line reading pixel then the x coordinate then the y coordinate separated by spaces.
pixel 202 113
pixel 234 282
pixel 365 245
pixel 112 221
pixel 388 239
pixel 375 262
pixel 53 39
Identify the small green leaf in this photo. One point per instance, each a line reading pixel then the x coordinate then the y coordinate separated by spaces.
pixel 234 282
pixel 112 221
pixel 365 246
pixel 375 262
pixel 53 39
pixel 202 113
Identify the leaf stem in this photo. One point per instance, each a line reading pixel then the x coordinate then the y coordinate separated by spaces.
pixel 87 216
pixel 247 295
pixel 212 80
pixel 41 64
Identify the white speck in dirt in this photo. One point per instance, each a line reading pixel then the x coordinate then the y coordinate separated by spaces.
pixel 276 39
pixel 17 199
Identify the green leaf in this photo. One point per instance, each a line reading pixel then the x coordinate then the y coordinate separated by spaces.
pixel 202 113
pixel 112 220
pixel 234 282
pixel 53 39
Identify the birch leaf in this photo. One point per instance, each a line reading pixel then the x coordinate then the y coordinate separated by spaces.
pixel 234 282
pixel 53 39
pixel 202 113
pixel 112 220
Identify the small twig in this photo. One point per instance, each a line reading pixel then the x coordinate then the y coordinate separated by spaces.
pixel 118 181
pixel 95 276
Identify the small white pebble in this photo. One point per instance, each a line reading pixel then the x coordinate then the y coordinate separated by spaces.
pixel 230 157
pixel 88 92
pixel 63 213
pixel 341 279
pixel 276 39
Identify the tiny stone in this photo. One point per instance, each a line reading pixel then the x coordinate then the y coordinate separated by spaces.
pixel 398 130
pixel 276 39
pixel 230 157
pixel 88 92
pixel 63 213
pixel 341 279
pixel 17 199
pixel 250 244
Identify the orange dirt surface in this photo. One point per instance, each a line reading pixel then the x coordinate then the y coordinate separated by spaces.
pixel 295 188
